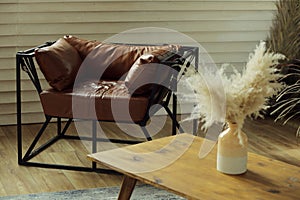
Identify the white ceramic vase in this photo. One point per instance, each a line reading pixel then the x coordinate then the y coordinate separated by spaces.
pixel 232 155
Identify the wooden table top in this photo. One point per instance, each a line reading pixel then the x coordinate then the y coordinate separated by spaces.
pixel 173 163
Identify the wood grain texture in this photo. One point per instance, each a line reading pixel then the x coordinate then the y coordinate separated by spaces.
pixel 127 188
pixel 195 178
pixel 265 138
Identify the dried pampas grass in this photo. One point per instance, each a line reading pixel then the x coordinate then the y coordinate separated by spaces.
pixel 232 98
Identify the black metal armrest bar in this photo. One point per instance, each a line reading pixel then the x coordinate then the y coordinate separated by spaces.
pixel 31 50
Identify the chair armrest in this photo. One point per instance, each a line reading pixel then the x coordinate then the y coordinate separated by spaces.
pixel 24 61
pixel 189 56
pixel 30 52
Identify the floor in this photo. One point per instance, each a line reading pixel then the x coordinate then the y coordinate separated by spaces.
pixel 265 137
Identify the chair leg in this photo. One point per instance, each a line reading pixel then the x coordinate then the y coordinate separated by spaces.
pixel 195 126
pixel 146 133
pixel 94 141
pixel 36 139
pixel 63 132
pixel 58 126
pixel 31 152
pixel 175 123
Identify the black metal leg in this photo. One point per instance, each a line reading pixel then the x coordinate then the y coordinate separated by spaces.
pixel 195 126
pixel 36 139
pixel 175 123
pixel 32 151
pixel 94 141
pixel 19 117
pixel 58 126
pixel 174 115
pixel 146 133
pixel 66 127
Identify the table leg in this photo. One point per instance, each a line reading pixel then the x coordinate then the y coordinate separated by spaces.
pixel 127 187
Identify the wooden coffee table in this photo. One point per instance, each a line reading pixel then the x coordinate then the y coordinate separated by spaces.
pixel 172 163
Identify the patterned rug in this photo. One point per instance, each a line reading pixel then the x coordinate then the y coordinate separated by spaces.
pixel 141 192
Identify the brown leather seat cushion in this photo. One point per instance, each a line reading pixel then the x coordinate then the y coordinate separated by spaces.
pixel 94 100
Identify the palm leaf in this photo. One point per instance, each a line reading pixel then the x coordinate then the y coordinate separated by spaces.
pixel 284 37
pixel 287 105
pixel 284 32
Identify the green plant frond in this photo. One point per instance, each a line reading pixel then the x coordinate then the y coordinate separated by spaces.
pixel 286 92
pixel 296 73
pixel 282 116
pixel 284 32
pixel 293 66
pixel 288 80
pixel 293 87
pixel 284 103
pixel 291 117
pixel 284 37
pixel 287 106
pixel 290 91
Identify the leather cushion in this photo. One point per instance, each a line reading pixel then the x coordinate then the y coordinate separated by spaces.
pixel 83 46
pixel 146 71
pixel 141 74
pixel 59 63
pixel 113 61
pixel 99 96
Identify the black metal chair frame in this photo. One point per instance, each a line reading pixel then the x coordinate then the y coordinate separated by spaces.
pixel 25 62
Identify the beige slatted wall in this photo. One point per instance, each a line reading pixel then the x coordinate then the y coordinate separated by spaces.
pixel 229 30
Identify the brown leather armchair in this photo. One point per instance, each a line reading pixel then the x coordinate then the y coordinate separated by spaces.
pixel 114 75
